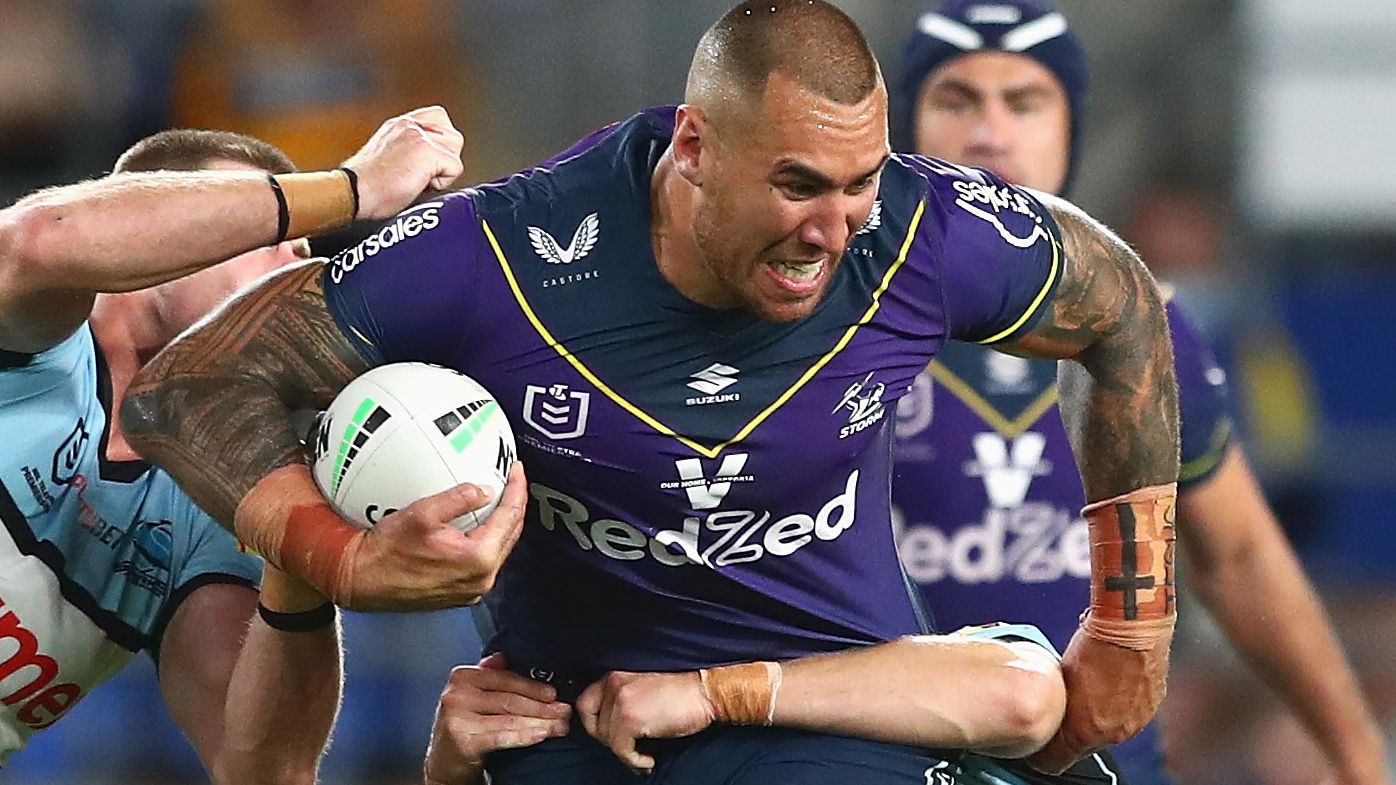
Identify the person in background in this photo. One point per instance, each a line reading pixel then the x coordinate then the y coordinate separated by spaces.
pixel 984 487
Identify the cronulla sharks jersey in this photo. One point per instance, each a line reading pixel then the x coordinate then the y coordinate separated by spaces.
pixel 96 554
pixel 704 487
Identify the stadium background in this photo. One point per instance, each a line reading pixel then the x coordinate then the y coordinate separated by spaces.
pixel 1242 145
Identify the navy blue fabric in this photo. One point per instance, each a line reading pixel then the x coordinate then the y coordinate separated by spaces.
pixel 1063 55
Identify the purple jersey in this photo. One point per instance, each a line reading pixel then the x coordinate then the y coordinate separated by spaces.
pixel 987 495
pixel 987 492
pixel 705 487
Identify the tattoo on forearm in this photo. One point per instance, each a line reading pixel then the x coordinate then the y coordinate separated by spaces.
pixel 1119 400
pixel 214 408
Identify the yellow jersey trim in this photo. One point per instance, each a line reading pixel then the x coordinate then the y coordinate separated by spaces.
pixel 1037 301
pixel 1207 461
pixel 1007 428
pixel 640 414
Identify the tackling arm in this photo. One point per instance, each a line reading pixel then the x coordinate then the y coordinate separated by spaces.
pixel 944 691
pixel 60 247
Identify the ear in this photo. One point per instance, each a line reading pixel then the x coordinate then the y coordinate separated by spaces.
pixel 691 132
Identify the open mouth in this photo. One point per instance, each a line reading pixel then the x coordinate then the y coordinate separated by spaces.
pixel 797 277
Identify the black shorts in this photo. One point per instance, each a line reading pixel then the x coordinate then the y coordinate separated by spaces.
pixel 724 755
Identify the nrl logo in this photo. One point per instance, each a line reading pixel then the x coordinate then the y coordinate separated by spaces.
pixel 583 240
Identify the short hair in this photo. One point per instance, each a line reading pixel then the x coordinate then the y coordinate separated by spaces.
pixel 189 150
pixel 812 42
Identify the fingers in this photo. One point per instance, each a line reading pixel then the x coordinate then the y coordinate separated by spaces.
pixel 495 661
pixel 442 508
pixel 486 691
pixel 477 736
pixel 588 707
pixel 501 530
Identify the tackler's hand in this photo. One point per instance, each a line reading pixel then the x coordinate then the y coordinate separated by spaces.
pixel 485 708
pixel 625 707
pixel 406 155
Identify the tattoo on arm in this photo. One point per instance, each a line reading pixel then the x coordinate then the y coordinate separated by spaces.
pixel 1119 398
pixel 214 408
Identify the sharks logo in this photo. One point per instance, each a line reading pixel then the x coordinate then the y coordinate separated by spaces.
pixel 583 240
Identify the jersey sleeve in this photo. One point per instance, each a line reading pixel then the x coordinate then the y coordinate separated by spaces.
pixel 201 553
pixel 1204 401
pixel 404 292
pixel 999 250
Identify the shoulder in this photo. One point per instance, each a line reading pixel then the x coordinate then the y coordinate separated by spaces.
pixel 971 212
pixel 614 160
pixel 61 376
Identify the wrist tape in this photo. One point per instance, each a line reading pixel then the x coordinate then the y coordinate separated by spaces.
pixel 1132 542
pixel 743 694
pixel 311 203
pixel 286 520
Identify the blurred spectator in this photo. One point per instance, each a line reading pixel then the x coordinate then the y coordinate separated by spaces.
pixel 313 76
pixel 1222 725
pixel 47 91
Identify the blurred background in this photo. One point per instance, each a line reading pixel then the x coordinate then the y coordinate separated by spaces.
pixel 1244 146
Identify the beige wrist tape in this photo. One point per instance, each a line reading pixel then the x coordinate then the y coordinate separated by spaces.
pixel 316 202
pixel 286 520
pixel 1132 542
pixel 743 694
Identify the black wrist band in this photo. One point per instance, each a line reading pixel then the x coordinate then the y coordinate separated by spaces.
pixel 353 187
pixel 283 213
pixel 305 621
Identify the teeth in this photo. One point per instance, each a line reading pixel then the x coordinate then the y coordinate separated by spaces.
pixel 799 272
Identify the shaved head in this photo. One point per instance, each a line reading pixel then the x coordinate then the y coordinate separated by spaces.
pixel 810 42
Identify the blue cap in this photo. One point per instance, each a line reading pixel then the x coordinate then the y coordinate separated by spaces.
pixel 1029 27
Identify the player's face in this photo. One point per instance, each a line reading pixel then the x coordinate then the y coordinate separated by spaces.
pixel 787 189
pixel 184 301
pixel 1004 112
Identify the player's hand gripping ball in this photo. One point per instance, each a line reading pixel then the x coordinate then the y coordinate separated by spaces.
pixel 404 431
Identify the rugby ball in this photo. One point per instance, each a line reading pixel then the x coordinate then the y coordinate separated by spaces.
pixel 408 430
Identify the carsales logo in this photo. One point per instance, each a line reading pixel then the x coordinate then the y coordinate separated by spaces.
pixel 409 223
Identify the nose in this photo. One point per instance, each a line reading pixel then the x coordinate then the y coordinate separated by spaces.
pixel 991 129
pixel 833 223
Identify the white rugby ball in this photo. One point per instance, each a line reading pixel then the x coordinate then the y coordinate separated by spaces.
pixel 404 431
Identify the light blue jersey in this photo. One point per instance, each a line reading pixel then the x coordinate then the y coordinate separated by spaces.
pixel 95 554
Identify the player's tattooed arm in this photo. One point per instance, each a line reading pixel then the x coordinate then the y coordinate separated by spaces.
pixel 1119 399
pixel 215 407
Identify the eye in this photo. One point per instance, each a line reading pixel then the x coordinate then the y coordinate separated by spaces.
pixel 799 191
pixel 954 104
pixel 862 185
pixel 1026 105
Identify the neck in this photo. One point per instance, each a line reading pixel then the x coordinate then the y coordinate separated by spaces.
pixel 674 242
pixel 129 332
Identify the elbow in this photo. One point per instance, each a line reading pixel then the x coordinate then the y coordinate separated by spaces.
pixel 30 242
pixel 140 416
pixel 1031 706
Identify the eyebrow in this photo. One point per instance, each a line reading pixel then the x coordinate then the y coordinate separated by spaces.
pixel 821 180
pixel 1017 91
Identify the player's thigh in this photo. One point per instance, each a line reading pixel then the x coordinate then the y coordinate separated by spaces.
pixel 574 759
pixel 779 756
